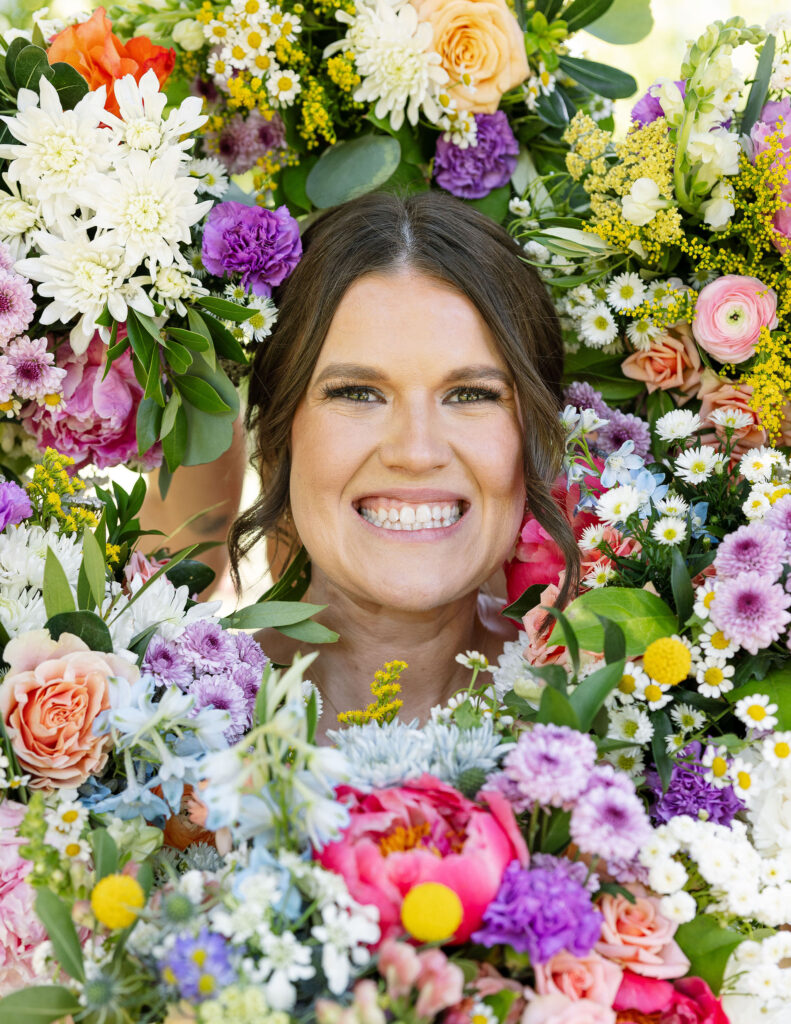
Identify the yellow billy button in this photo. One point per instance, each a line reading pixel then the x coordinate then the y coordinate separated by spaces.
pixel 667 661
pixel 431 912
pixel 116 899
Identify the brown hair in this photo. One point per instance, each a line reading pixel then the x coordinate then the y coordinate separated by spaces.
pixel 434 234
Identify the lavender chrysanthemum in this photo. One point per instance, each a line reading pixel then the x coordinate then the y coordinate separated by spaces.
pixel 583 395
pixel 35 374
pixel 540 911
pixel 248 680
pixel 199 966
pixel 206 646
pixel 14 504
pixel 472 172
pixel 689 793
pixel 16 305
pixel 222 694
pixel 163 661
pixel 609 820
pixel 779 516
pixel 550 766
pixel 756 547
pixel 751 609
pixel 249 652
pixel 576 870
pixel 623 426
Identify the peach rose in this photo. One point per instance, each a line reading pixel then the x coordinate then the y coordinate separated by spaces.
pixel 481 38
pixel 49 700
pixel 717 392
pixel 672 361
pixel 624 547
pixel 559 1009
pixel 637 936
pixel 587 977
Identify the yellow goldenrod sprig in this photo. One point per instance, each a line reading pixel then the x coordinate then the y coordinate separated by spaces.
pixel 385 689
pixel 51 490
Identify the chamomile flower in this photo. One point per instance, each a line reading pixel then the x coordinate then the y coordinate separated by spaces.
pixel 696 465
pixel 634 679
pixel 672 505
pixel 68 817
pixel 217 66
pixel 669 531
pixel 597 326
pixel 757 712
pixel 776 749
pixel 482 1013
pixel 704 597
pixel 655 694
pixel 284 86
pixel 743 779
pixel 714 643
pixel 677 425
pixel 625 292
pixel 631 724
pixel 642 332
pixel 599 576
pixel 211 176
pixel 714 676
pixel 757 504
pixel 715 760
pixel 217 31
pixel 675 742
pixel 628 760
pixel 687 718
pixel 473 660
pixel 591 537
pixel 236 292
pixel 260 324
pixel 730 418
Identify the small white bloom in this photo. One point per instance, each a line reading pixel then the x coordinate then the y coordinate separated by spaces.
pixel 634 678
pixel 640 206
pixel 680 907
pixel 704 597
pixel 731 418
pixel 718 210
pixel 188 34
pixel 625 291
pixel 616 505
pixel 642 332
pixel 520 207
pixel 714 676
pixel 669 531
pixel 715 759
pixel 757 504
pixel 656 695
pixel 631 724
pixel 260 324
pixel 474 659
pixel 211 175
pixel 171 285
pixel 696 465
pixel 743 779
pixel 687 718
pixel 776 749
pixel 677 425
pixel 536 251
pixel 598 576
pixel 284 86
pixel 672 505
pixel 667 876
pixel 757 712
pixel 597 326
pixel 757 465
pixel 591 537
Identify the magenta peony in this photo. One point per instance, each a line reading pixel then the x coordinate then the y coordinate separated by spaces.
pixel 20 929
pixel 729 315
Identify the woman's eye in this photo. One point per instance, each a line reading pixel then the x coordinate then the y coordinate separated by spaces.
pixel 352 393
pixel 466 395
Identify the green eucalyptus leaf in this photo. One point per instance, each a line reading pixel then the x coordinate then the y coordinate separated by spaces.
pixel 192 339
pixel 31 64
pixel 662 760
pixel 309 632
pixel 178 356
pixel 569 638
pixel 224 342
pixel 190 573
pixel 494 205
pixel 350 169
pixel 210 434
pixel 225 309
pixel 293 180
pixel 627 21
pixel 93 562
pixel 15 47
pixel 84 624
pixel 270 614
pixel 294 582
pixel 200 394
pixel 174 444
pixel 614 640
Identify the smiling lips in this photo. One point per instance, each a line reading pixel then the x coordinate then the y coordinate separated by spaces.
pixel 414 516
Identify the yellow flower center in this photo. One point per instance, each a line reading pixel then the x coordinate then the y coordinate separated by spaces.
pixel 627 684
pixel 744 780
pixel 709 599
pixel 667 661
pixel 69 816
pixel 719 640
pixel 757 712
pixel 782 749
pixel 431 912
pixel 238 52
pixel 713 675
pixel 199 957
pixel 206 984
pixel 284 83
pixel 252 7
pixel 116 899
pixel 72 849
pixel 719 766
pixel 653 692
pixel 254 40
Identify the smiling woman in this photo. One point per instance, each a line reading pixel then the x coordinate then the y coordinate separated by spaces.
pixel 405 411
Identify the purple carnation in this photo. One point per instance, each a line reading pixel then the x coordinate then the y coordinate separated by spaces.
pixel 583 395
pixel 689 793
pixel 756 547
pixel 541 912
pixel 14 504
pixel 549 765
pixel 751 609
pixel 222 694
pixel 206 646
pixel 262 246
pixel 623 426
pixel 163 661
pixel 648 108
pixel 609 820
pixel 473 172
pixel 199 965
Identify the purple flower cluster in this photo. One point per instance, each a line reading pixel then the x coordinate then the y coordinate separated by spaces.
pixel 608 819
pixel 473 172
pixel 648 108
pixel 14 504
pixel 622 426
pixel 541 911
pixel 262 246
pixel 779 517
pixel 221 670
pixel 689 793
pixel 756 547
pixel 199 966
pixel 244 140
pixel 550 765
pixel 751 609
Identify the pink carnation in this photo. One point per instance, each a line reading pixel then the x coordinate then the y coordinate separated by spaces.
pixel 20 929
pixel 729 315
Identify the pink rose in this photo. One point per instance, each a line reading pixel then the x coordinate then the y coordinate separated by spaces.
pixel 96 421
pixel 559 1009
pixel 688 1001
pixel 729 315
pixel 20 929
pixel 671 361
pixel 440 983
pixel 588 977
pixel 444 837
pixel 49 700
pixel 636 936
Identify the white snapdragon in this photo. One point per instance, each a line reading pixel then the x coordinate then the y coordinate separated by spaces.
pixel 718 210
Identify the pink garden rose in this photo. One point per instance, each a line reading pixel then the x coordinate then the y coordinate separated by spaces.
pixel 49 700
pixel 20 929
pixel 687 1001
pixel 559 1009
pixel 636 936
pixel 729 315
pixel 440 836
pixel 96 421
pixel 588 977
pixel 672 362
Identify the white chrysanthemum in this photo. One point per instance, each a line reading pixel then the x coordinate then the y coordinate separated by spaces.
pixel 260 324
pixel 696 465
pixel 680 907
pixel 731 418
pixel 21 609
pixel 591 537
pixel 81 275
pixel 757 712
pixel 672 505
pixel 631 724
pixel 513 672
pixel 162 605
pixel 148 207
pixel 669 530
pixel 597 326
pixel 18 218
pixel 57 149
pixel 211 175
pixel 628 760
pixel 141 125
pixel 23 552
pixel 687 718
pixel 757 465
pixel 667 876
pixel 616 505
pixel 677 425
pixel 283 86
pixel 171 285
pixel 625 291
pixel 598 576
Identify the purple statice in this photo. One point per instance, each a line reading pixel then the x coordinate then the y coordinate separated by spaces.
pixel 222 694
pixel 549 766
pixel 608 820
pixel 540 911
pixel 164 662
pixel 751 609
pixel 648 108
pixel 14 504
pixel 206 647
pixel 583 395
pixel 16 305
pixel 779 517
pixel 262 246
pixel 623 426
pixel 756 547
pixel 473 171
pixel 199 965
pixel 689 793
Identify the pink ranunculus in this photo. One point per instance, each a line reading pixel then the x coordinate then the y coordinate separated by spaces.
pixel 672 362
pixel 557 1008
pixel 20 929
pixel 717 392
pixel 587 977
pixel 96 421
pixel 687 1001
pixel 423 831
pixel 638 937
pixel 440 984
pixel 729 315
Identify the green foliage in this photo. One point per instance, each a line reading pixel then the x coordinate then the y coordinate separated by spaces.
pixel 580 13
pixel 683 593
pixel 590 695
pixel 191 574
pixel 760 86
pixel 105 853
pixel 642 616
pixel 599 78
pixel 350 169
pixel 55 915
pixel 777 686
pixel 524 604
pixel 38 1004
pixel 58 597
pixel 557 709
pixel 627 21
pixel 294 582
pixel 708 946
pixel 86 625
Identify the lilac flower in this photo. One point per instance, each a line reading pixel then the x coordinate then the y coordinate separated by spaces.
pixel 550 766
pixel 689 793
pixel 541 912
pixel 163 661
pixel 609 820
pixel 16 304
pixel 199 966
pixel 623 427
pixel 756 547
pixel 14 504
pixel 473 172
pixel 222 694
pixel 263 246
pixel 648 108
pixel 583 395
pixel 34 373
pixel 751 609
pixel 206 646
pixel 6 258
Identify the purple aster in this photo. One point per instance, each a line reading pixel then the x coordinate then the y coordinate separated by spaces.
pixel 199 966
pixel 623 426
pixel 206 646
pixel 163 661
pixel 540 911
pixel 583 395
pixel 751 609
pixel 756 547
pixel 689 793
pixel 474 171
pixel 14 504
pixel 648 108
pixel 262 246
pixel 222 694
pixel 609 820
pixel 16 305
pixel 779 516
pixel 549 765
pixel 32 365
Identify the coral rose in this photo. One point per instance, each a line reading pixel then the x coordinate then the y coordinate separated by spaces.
pixel 729 315
pixel 587 977
pixel 481 38
pixel 49 700
pixel 717 392
pixel 20 929
pixel 101 58
pixel 559 1009
pixel 423 831
pixel 672 361
pixel 636 936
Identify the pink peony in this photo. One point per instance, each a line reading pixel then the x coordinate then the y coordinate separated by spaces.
pixel 96 421
pixel 588 977
pixel 729 315
pixel 424 831
pixel 688 1001
pixel 636 936
pixel 559 1009
pixel 20 929
pixel 670 362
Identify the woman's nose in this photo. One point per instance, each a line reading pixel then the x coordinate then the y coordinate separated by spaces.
pixel 414 439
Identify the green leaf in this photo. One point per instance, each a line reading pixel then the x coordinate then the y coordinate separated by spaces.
pixel 15 47
pixel 556 709
pixel 178 356
pixel 293 180
pixel 708 946
pixel 70 84
pixel 553 110
pixel 293 583
pixel 683 594
pixel 599 78
pixel 351 169
pixel 760 86
pixel 149 422
pixel 194 575
pixel 174 444
pixel 309 632
pixel 94 565
pixel 411 153
pixel 311 716
pixel 38 1004
pixel 627 21
pixel 192 339
pixel 140 339
pixel 169 415
pixel 591 693
pixel 56 918
pixel 614 640
pixel 777 686
pixel 519 707
pixel 524 604
pixel 153 387
pixel 642 616
pixel 86 625
pixel 495 205
pixel 580 13
pixel 57 592
pixel 209 435
pixel 225 309
pixel 557 837
pixel 224 342
pixel 270 614
pixel 105 853
pixel 663 761
pixel 200 394
pixel 30 65
pixel 569 638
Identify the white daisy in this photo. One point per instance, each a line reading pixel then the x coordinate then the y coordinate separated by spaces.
pixel 731 418
pixel 211 175
pixel 675 741
pixel 172 285
pixel 597 326
pixel 284 24
pixel 669 531
pixel 672 505
pixel 141 125
pixel 757 504
pixel 616 505
pixel 628 760
pixel 631 724
pixel 696 465
pixel 260 324
pixel 217 31
pixel 714 676
pixel 283 85
pixel 757 465
pixel 656 695
pixel 687 718
pixel 217 66
pixel 715 759
pixel 634 678
pixel 704 596
pixel 625 291
pixel 591 537
pixel 642 332
pixel 743 779
pixel 757 712
pixel 713 642
pixel 18 218
pixel 677 425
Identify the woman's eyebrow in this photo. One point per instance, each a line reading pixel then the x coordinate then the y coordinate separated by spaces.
pixel 359 371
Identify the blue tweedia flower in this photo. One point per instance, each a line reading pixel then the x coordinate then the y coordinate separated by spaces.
pixel 620 464
pixel 384 755
pixel 199 966
pixel 455 750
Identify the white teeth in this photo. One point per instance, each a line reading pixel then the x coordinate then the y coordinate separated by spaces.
pixel 424 517
pixel 393 515
pixel 436 512
pixel 423 514
pixel 407 516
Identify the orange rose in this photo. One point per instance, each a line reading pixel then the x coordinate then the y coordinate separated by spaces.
pixel 101 58
pixel 49 700
pixel 481 38
pixel 672 361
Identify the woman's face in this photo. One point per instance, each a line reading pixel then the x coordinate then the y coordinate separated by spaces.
pixel 407 487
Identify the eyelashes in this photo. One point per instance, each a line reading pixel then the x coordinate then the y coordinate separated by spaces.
pixel 363 394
